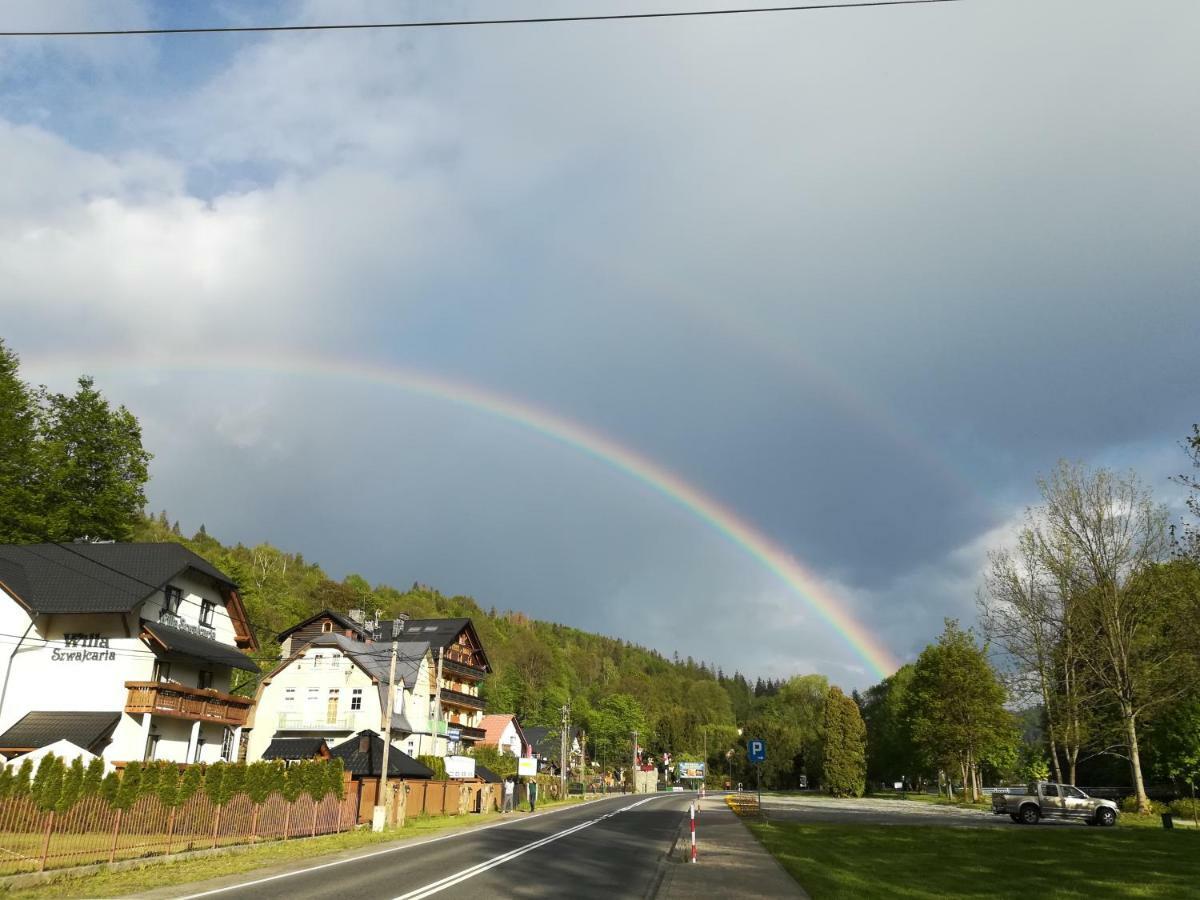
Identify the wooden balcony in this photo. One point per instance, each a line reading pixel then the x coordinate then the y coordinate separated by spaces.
pixel 463 669
pixel 176 701
pixel 458 698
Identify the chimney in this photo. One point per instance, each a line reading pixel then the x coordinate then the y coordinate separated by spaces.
pixel 357 615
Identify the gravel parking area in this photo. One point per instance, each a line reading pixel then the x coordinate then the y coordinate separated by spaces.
pixel 871 811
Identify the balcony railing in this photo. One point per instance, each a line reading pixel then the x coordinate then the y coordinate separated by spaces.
pixel 351 721
pixel 178 702
pixel 458 698
pixel 469 733
pixel 177 621
pixel 464 670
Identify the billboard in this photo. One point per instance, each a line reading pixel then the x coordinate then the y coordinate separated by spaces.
pixel 460 767
pixel 526 765
pixel 691 770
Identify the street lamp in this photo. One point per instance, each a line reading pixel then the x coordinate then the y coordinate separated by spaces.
pixel 729 759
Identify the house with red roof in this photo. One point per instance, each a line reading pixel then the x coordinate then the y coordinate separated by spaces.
pixel 503 731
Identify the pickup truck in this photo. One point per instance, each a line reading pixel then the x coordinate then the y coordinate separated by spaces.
pixel 1047 800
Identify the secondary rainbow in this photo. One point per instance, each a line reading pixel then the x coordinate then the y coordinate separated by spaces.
pixel 720 518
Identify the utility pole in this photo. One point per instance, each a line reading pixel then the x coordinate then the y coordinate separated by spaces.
pixel 379 815
pixel 584 776
pixel 564 748
pixel 633 769
pixel 437 703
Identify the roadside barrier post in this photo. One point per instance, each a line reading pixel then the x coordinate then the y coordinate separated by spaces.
pixel 693 818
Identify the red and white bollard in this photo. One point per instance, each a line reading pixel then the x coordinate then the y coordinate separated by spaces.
pixel 693 814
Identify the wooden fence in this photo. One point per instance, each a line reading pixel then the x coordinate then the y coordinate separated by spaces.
pixel 32 840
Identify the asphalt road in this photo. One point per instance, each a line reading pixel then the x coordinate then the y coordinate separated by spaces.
pixel 609 848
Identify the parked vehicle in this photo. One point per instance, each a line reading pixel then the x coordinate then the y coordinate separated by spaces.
pixel 1048 800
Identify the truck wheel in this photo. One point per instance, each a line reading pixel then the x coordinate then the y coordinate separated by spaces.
pixel 1015 818
pixel 1030 815
pixel 1106 817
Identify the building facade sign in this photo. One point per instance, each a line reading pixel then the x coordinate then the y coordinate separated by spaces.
pixel 82 647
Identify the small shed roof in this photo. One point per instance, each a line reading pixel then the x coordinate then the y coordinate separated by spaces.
pixel 87 729
pixel 296 748
pixel 362 755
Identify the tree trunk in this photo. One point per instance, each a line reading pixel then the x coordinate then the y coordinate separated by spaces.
pixel 1054 760
pixel 1135 763
pixel 962 765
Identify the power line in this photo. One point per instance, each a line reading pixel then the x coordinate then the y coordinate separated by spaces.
pixel 458 23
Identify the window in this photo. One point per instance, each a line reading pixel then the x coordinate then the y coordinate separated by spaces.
pixel 326 626
pixel 1051 790
pixel 199 750
pixel 1073 793
pixel 206 612
pixel 398 703
pixel 151 747
pixel 174 598
pixel 227 744
pixel 331 705
pixel 356 698
pixel 412 749
pixel 289 698
pixel 206 680
pixel 162 671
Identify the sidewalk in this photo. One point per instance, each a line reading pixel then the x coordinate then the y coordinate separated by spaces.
pixel 730 861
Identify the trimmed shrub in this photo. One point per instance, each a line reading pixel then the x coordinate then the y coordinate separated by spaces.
pixel 151 773
pixel 109 788
pixel 336 778
pixel 48 783
pixel 22 781
pixel 235 779
pixel 293 783
pixel 168 785
pixel 259 781
pixel 192 781
pixel 437 764
pixel 93 777
pixel 315 784
pixel 131 780
pixel 6 781
pixel 214 783
pixel 72 786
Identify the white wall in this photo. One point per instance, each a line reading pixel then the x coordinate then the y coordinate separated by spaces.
pixel 46 674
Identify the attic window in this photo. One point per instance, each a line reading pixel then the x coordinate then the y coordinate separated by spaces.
pixel 326 627
pixel 430 628
pixel 364 743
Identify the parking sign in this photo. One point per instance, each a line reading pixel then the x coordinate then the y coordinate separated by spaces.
pixel 757 751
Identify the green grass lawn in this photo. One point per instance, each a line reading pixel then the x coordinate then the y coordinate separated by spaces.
pixel 915 861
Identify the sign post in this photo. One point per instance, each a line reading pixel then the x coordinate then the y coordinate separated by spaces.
pixel 756 752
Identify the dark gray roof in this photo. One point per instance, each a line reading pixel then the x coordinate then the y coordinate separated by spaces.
pixel 375 658
pixel 345 621
pixel 88 730
pixel 438 632
pixel 95 578
pixel 295 748
pixel 487 774
pixel 180 641
pixel 369 761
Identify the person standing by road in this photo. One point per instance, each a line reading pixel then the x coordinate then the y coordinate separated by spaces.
pixel 508 796
pixel 533 790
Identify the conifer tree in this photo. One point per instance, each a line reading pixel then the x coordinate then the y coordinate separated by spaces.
pixel 168 785
pixel 48 782
pixel 335 773
pixel 93 777
pixel 109 788
pixel 131 781
pixel 72 785
pixel 293 783
pixel 193 780
pixel 235 779
pixel 214 783
pixel 22 783
pixel 6 781
pixel 258 781
pixel 844 760
pixel 151 773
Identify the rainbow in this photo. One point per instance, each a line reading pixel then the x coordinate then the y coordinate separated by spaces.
pixel 725 521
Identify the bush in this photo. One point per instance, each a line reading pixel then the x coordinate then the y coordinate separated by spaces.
pixel 109 788
pixel 437 764
pixel 1130 805
pixel 214 783
pixel 1185 808
pixel 168 785
pixel 151 773
pixel 127 792
pixel 48 783
pixel 72 786
pixel 259 781
pixel 193 780
pixel 23 779
pixel 6 781
pixel 336 774
pixel 93 778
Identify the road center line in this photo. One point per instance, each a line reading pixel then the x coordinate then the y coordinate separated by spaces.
pixel 406 845
pixel 458 877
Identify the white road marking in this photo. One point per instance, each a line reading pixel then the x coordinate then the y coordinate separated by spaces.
pixel 405 846
pixel 451 880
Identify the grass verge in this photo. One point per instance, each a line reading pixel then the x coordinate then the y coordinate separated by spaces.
pixel 929 861
pixel 157 874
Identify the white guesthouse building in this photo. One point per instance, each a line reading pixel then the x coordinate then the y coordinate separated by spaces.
pixel 333 684
pixel 126 650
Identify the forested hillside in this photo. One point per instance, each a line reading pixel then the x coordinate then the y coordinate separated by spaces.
pixel 612 686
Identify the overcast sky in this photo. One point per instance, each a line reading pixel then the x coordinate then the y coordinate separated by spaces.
pixel 858 275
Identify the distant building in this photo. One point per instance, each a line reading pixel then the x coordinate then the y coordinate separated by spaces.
pixel 333 684
pixel 503 731
pixel 546 745
pixel 126 650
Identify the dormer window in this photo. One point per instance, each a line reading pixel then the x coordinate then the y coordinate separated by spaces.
pixel 206 612
pixel 326 627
